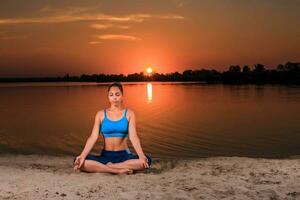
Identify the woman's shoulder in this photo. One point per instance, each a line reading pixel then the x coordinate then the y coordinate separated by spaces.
pixel 130 113
pixel 100 114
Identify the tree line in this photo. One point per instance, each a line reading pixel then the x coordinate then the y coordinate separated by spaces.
pixel 288 73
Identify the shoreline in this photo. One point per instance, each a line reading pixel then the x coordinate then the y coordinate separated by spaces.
pixel 52 177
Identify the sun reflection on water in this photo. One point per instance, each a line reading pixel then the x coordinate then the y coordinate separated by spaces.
pixel 149 92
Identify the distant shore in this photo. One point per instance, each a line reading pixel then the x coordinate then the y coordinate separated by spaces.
pixel 287 73
pixel 51 177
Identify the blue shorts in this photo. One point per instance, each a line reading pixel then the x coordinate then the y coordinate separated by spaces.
pixel 116 156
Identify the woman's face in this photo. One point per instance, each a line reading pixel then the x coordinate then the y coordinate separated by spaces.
pixel 115 96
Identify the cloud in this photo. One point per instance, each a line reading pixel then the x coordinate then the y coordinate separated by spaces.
pixel 118 37
pixel 106 26
pixel 100 21
pixel 170 17
pixel 68 10
pixel 95 42
pixel 50 14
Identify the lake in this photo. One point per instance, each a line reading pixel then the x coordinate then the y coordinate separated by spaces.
pixel 173 119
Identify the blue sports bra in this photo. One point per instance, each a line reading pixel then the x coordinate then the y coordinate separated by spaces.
pixel 111 128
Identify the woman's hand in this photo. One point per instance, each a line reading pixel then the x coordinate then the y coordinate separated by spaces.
pixel 78 162
pixel 144 161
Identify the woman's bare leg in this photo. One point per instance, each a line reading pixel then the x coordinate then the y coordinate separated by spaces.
pixel 134 164
pixel 94 166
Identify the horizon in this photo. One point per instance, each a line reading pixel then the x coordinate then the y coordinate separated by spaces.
pixel 54 38
pixel 147 74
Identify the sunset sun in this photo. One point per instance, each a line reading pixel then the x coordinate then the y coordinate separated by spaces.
pixel 149 70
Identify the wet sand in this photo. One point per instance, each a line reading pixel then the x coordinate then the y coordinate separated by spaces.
pixel 50 177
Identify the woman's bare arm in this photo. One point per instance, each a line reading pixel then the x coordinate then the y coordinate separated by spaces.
pixel 94 135
pixel 134 138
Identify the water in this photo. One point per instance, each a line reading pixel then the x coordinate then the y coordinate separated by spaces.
pixel 173 119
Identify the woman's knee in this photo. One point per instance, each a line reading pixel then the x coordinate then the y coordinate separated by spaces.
pixel 90 166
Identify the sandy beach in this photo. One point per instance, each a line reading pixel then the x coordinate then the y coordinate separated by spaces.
pixel 49 177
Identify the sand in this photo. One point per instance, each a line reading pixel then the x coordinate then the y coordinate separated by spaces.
pixel 50 177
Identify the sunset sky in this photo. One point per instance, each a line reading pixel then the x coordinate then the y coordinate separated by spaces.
pixel 52 38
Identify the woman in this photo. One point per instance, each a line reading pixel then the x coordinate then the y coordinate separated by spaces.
pixel 117 125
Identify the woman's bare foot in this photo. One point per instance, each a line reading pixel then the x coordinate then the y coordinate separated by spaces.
pixel 121 170
pixel 125 171
pixel 110 164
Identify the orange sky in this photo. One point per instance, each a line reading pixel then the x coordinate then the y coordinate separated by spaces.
pixel 52 38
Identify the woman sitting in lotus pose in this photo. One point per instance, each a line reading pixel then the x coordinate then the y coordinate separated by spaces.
pixel 117 125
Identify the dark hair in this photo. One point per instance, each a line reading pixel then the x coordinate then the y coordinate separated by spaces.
pixel 116 84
